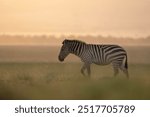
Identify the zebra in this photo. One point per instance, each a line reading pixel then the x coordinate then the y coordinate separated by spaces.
pixel 98 54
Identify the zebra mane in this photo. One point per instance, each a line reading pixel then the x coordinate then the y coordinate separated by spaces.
pixel 77 41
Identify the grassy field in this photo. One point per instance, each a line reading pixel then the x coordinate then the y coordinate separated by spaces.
pixel 34 72
pixel 64 81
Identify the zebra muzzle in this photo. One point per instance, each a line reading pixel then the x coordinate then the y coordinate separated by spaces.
pixel 60 59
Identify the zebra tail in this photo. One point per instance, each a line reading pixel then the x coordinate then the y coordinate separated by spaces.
pixel 126 62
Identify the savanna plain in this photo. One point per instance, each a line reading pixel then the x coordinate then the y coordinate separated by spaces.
pixel 34 72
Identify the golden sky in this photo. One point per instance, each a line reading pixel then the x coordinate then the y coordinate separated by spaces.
pixel 123 17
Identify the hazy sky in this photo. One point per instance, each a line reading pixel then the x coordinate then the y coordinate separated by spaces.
pixel 124 17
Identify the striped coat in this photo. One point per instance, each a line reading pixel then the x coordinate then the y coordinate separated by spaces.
pixel 97 54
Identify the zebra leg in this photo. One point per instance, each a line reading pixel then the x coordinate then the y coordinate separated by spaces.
pixel 116 68
pixel 82 69
pixel 116 71
pixel 86 66
pixel 125 71
pixel 88 69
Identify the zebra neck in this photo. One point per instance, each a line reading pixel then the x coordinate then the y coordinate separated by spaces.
pixel 77 49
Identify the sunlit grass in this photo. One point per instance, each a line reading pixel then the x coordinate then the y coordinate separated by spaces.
pixel 64 81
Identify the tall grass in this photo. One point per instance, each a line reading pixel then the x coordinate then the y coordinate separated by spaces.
pixel 64 81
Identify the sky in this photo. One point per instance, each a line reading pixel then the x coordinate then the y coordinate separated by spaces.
pixel 106 17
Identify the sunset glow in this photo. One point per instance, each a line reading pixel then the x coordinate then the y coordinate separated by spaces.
pixel 108 17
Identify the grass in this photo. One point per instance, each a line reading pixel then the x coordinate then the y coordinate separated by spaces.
pixel 64 81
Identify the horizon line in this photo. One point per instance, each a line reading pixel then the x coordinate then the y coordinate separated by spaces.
pixel 58 35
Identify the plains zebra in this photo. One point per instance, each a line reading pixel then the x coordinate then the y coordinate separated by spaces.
pixel 98 54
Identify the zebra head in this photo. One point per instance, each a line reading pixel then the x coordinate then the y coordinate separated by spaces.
pixel 64 52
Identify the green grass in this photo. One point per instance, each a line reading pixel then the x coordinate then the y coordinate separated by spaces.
pixel 64 81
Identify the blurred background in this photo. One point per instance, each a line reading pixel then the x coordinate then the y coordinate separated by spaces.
pixel 99 17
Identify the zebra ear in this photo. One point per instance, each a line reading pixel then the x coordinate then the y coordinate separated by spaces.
pixel 65 41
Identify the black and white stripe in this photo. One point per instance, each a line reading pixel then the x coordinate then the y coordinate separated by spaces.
pixel 98 54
